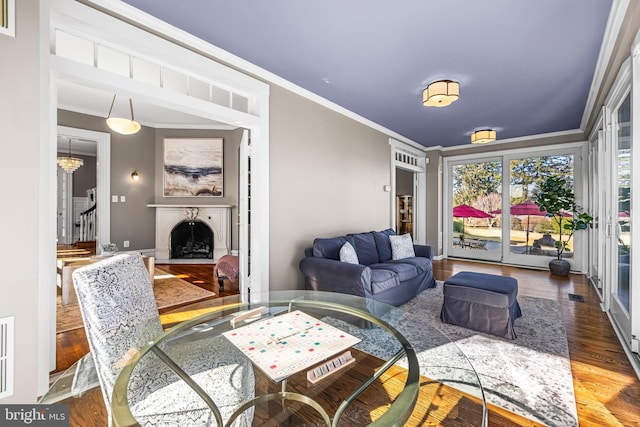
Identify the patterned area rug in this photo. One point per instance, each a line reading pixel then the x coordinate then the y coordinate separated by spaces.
pixel 168 290
pixel 530 375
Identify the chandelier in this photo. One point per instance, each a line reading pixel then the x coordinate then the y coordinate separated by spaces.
pixel 68 163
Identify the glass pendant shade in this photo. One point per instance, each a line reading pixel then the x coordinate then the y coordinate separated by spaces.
pixel 68 163
pixel 121 125
pixel 441 93
pixel 483 136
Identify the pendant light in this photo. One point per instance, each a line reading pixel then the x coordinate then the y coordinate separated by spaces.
pixel 121 125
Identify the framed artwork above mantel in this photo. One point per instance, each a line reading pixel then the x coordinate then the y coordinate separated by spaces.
pixel 193 167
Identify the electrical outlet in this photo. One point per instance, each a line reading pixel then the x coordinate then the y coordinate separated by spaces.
pixel 126 244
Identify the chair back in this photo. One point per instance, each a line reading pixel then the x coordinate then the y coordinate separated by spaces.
pixel 119 312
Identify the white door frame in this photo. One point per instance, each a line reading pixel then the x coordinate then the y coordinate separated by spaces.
pixel 406 157
pixel 108 21
pixel 103 177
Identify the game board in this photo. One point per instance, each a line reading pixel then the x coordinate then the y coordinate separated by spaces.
pixel 289 343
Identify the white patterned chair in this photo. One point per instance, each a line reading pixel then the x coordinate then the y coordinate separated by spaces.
pixel 120 316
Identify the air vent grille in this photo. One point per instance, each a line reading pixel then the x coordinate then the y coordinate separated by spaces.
pixel 6 357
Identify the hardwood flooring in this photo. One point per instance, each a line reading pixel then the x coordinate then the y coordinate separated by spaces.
pixel 606 387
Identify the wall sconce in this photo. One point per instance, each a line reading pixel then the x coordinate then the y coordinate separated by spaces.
pixel 135 177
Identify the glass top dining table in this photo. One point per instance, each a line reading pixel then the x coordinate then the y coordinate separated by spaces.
pixel 371 375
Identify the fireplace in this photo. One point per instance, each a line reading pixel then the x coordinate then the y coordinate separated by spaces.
pixel 191 239
pixel 172 227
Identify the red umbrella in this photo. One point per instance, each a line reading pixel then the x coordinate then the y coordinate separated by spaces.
pixel 466 211
pixel 527 208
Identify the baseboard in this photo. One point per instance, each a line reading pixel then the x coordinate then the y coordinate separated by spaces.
pixel 634 358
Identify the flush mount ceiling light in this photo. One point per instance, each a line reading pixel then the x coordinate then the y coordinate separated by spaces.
pixel 121 125
pixel 483 136
pixel 68 163
pixel 440 93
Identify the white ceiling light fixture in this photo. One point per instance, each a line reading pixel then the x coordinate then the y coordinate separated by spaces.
pixel 121 125
pixel 441 93
pixel 483 136
pixel 68 163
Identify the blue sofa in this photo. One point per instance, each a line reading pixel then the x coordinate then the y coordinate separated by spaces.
pixel 376 277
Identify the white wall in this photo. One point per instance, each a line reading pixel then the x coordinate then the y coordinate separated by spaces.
pixel 20 116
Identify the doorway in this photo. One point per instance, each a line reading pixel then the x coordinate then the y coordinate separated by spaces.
pixel 233 99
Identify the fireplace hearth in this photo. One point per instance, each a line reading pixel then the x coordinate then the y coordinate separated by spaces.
pixel 173 218
pixel 191 239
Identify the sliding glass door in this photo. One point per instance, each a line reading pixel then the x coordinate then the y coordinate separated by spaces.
pixel 476 191
pixel 492 207
pixel 620 211
pixel 532 232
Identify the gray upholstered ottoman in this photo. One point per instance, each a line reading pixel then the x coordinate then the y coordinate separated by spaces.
pixel 482 302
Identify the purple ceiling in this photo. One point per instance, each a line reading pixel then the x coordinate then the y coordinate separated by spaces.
pixel 525 67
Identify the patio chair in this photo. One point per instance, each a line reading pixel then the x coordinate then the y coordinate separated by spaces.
pixel 120 316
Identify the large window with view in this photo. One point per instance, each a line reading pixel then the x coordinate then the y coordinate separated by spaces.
pixel 493 209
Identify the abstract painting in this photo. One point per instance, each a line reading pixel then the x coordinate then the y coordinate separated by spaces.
pixel 193 167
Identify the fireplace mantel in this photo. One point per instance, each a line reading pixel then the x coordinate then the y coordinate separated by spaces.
pixel 217 217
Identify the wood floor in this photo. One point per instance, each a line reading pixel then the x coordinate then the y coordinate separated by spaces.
pixel 606 387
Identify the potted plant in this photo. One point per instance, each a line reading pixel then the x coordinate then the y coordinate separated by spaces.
pixel 558 200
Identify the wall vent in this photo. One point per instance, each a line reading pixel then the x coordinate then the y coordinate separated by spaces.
pixel 6 357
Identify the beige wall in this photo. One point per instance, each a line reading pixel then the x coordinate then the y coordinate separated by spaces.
pixel 327 174
pixel 20 115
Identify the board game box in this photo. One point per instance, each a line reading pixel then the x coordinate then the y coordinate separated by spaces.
pixel 289 343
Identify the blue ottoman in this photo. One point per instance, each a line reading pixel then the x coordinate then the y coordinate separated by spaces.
pixel 482 302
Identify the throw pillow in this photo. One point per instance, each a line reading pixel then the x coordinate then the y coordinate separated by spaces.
pixel 348 254
pixel 402 246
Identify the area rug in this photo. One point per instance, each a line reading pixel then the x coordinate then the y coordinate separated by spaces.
pixel 530 375
pixel 168 290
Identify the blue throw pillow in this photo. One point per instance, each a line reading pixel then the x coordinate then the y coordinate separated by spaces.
pixel 383 244
pixel 402 246
pixel 348 254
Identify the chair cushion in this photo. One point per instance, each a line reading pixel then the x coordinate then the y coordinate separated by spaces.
pixel 328 248
pixel 383 244
pixel 365 247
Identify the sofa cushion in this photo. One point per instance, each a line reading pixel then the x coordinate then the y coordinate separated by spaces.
pixel 405 271
pixel 383 244
pixel 402 246
pixel 365 247
pixel 421 263
pixel 381 280
pixel 328 248
pixel 348 254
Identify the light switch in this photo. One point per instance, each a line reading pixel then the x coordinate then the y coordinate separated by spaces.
pixel 114 199
pixel 123 199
